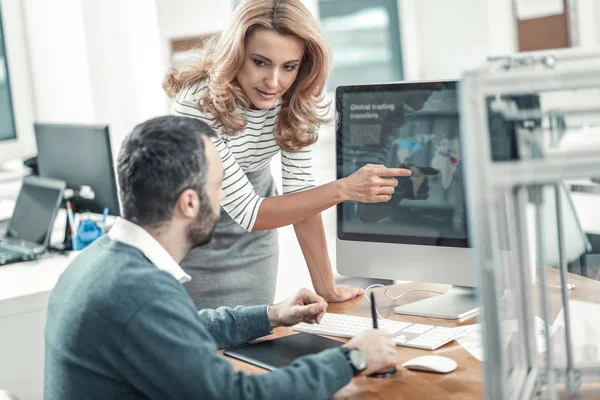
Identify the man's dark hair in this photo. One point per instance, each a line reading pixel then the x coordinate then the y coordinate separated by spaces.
pixel 160 159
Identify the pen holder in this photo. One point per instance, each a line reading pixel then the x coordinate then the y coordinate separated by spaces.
pixel 87 232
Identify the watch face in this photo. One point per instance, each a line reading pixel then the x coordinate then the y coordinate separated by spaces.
pixel 358 360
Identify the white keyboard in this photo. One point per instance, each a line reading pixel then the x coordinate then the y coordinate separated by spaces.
pixel 426 337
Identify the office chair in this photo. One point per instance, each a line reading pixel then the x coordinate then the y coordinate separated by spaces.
pixel 575 239
pixel 524 112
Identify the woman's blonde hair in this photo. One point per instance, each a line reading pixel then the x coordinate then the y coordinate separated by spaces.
pixel 223 57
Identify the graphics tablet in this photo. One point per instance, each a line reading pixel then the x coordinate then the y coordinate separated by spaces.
pixel 281 352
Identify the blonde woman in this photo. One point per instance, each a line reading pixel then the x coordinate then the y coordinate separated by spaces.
pixel 260 85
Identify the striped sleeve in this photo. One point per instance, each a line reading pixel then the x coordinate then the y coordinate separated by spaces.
pixel 296 170
pixel 184 104
pixel 241 201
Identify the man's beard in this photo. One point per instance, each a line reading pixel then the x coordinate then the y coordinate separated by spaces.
pixel 201 231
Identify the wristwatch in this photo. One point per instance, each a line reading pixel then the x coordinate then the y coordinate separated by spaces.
pixel 356 359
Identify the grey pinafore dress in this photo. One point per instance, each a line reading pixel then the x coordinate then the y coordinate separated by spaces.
pixel 237 267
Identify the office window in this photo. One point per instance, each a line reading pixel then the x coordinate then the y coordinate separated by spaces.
pixel 365 40
pixel 7 119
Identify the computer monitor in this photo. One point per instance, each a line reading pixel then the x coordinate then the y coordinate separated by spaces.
pixel 16 133
pixel 421 234
pixel 80 155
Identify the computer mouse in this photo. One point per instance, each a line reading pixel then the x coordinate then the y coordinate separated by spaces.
pixel 439 364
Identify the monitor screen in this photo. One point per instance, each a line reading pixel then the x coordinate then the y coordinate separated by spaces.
pixel 409 125
pixel 80 155
pixel 34 211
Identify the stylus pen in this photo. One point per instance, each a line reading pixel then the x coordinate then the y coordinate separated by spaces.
pixel 70 217
pixel 104 216
pixel 392 370
pixel 373 310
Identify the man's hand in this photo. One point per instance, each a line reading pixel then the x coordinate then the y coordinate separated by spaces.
pixel 377 347
pixel 306 306
pixel 341 293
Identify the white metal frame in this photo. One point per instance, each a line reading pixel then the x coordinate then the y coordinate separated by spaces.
pixel 505 289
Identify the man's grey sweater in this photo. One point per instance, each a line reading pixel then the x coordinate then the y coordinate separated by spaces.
pixel 120 328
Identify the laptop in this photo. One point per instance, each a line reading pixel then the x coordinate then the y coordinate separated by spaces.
pixel 30 227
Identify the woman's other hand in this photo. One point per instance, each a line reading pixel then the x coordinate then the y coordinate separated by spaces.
pixel 372 183
pixel 340 293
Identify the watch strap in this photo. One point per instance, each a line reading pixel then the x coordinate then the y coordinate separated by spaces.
pixel 346 351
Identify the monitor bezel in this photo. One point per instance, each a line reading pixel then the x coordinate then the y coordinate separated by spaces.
pixel 371 237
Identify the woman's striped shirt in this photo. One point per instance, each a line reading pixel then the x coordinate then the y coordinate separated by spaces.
pixel 249 151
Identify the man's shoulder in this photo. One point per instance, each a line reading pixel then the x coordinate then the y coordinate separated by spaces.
pixel 109 258
pixel 113 279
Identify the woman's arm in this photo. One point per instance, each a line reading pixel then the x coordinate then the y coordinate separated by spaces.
pixel 370 184
pixel 311 236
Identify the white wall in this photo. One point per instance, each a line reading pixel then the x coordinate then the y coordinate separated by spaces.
pixel 58 60
pixel 180 19
pixel 186 18
pixel 409 38
pixel 440 39
pixel 587 20
pixel 501 28
pixel 126 68
pixel 95 62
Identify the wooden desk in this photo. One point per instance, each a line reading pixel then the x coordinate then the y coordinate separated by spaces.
pixel 463 383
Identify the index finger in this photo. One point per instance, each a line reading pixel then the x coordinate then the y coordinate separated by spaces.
pixel 394 172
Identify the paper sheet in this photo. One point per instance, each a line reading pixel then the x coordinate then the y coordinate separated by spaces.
pixel 470 340
pixel 585 333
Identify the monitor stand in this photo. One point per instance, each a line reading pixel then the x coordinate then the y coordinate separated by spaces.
pixel 459 302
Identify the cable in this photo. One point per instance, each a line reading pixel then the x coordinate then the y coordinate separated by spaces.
pixel 394 298
pixel 570 286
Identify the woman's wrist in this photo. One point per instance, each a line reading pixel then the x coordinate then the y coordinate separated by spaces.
pixel 326 291
pixel 323 280
pixel 340 188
